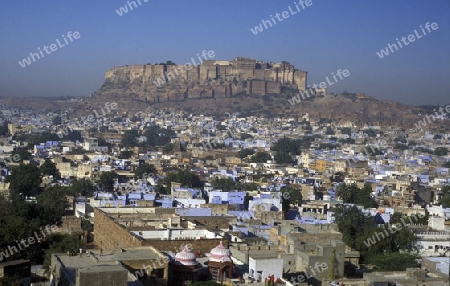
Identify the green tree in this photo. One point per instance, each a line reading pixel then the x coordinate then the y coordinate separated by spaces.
pixel 346 130
pixel 446 164
pixel 225 184
pixel 291 195
pixel 56 120
pixel 160 189
pixel 441 151
pixel 22 152
pixel 49 168
pixel 243 153
pixel 394 261
pixel 81 187
pixel 129 138
pixel 329 131
pixel 247 186
pixel 73 135
pixel 126 154
pixel 168 148
pixel 61 243
pixel 24 179
pixel 370 132
pixel 144 170
pixel 4 129
pixel 183 176
pixel 106 181
pixel 51 204
pixel 245 136
pixel 157 136
pixel 260 157
pixel 351 223
pixel 445 199
pixel 350 193
pixel 332 271
pixel 287 145
pixel 283 158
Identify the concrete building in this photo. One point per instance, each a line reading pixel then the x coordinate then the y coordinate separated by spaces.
pixel 126 267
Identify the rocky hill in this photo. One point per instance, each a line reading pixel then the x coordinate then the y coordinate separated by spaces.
pixel 217 87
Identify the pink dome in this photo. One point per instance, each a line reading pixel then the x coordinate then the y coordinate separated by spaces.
pixel 220 254
pixel 186 257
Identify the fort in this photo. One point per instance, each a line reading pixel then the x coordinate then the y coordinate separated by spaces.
pixel 214 78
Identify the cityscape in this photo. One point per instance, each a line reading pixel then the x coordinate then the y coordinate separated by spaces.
pixel 218 159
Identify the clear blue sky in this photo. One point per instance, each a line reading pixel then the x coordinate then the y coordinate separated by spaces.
pixel 327 36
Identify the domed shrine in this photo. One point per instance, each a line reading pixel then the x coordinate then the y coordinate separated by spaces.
pixel 220 264
pixel 186 267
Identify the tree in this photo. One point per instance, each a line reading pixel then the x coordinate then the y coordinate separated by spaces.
pixel 350 193
pixel 441 151
pixel 445 199
pixel 394 261
pixel 24 179
pixel 126 154
pixel 168 148
pixel 83 187
pixel 129 138
pixel 4 129
pixel 329 131
pixel 291 195
pixel 106 181
pixel 157 136
pixel 183 176
pixel 49 168
pixel 245 152
pixel 346 130
pixel 22 152
pixel 351 222
pixel 370 132
pixel 283 158
pixel 332 271
pixel 225 184
pixel 73 135
pixel 61 243
pixel 446 164
pixel 260 157
pixel 144 170
pixel 51 204
pixel 56 120
pixel 287 145
pixel 245 136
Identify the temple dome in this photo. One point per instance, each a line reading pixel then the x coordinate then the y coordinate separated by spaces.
pixel 186 257
pixel 220 254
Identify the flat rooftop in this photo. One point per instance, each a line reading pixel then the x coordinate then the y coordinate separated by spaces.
pixel 109 261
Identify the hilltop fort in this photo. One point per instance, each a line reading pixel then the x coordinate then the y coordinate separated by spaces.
pixel 213 78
